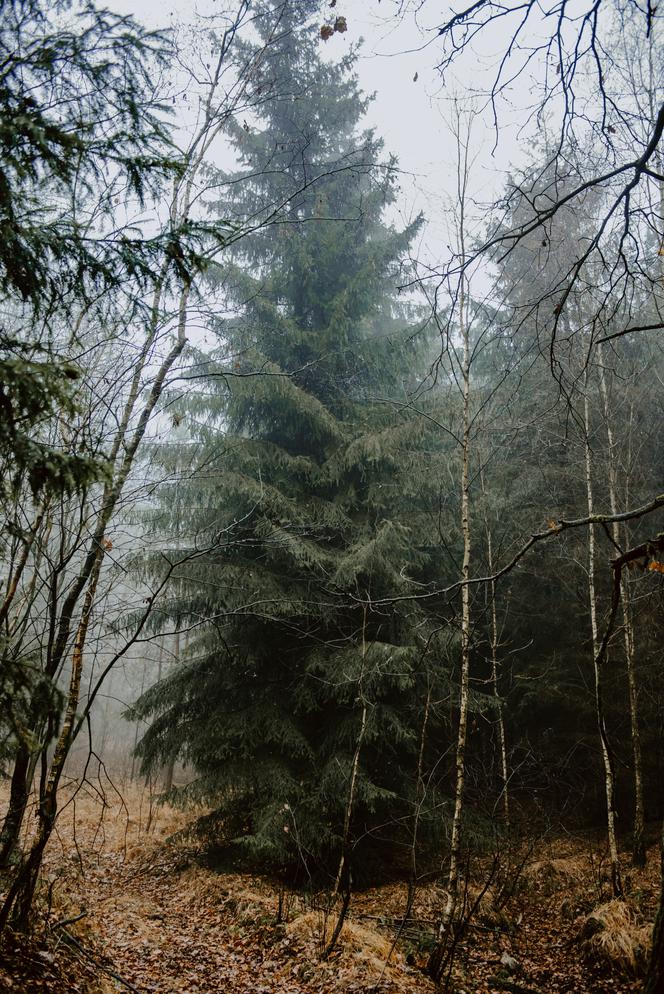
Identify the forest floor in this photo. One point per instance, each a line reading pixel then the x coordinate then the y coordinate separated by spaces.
pixel 157 919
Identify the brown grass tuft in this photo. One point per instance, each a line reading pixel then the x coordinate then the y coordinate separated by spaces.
pixel 551 875
pixel 611 935
pixel 361 951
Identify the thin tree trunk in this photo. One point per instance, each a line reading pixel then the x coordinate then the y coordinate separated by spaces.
pixel 638 836
pixel 345 844
pixel 493 647
pixel 464 683
pixel 419 800
pixel 19 793
pixel 609 783
pixel 345 848
pixel 502 738
pixel 344 878
pixel 654 983
pixel 437 955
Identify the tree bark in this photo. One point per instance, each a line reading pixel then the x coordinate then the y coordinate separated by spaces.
pixel 609 782
pixel 493 646
pixel 654 983
pixel 463 171
pixel 355 766
pixel 464 683
pixel 18 801
pixel 638 835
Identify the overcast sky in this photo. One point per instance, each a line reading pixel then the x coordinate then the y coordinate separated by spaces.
pixel 411 107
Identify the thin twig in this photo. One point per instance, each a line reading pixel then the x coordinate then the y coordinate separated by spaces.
pixel 69 921
pixel 100 966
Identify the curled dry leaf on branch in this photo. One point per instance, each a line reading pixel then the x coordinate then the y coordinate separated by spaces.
pixel 339 26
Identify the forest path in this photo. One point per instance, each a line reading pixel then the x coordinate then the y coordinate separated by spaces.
pixel 158 915
pixel 162 935
pixel 170 926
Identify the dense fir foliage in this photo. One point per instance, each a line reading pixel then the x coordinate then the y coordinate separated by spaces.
pixel 304 488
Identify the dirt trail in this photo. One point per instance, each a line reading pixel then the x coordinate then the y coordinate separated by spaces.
pixel 187 930
pixel 160 940
pixel 167 924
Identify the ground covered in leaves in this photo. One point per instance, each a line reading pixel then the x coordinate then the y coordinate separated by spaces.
pixel 128 903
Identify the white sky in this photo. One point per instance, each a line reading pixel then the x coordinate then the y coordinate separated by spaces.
pixel 410 115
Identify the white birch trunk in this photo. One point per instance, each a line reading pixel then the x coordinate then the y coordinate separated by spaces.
pixel 502 739
pixel 609 786
pixel 464 682
pixel 638 844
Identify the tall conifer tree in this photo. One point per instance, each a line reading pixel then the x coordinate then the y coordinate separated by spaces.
pixel 298 703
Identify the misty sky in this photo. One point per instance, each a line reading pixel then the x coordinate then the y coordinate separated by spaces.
pixel 411 109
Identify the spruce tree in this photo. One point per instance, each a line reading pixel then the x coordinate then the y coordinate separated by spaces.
pixel 81 132
pixel 298 702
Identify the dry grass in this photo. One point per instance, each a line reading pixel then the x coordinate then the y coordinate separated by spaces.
pixel 548 876
pixel 612 936
pixel 360 951
pixel 486 906
pixel 98 816
pixel 242 899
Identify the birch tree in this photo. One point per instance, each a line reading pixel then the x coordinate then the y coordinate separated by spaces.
pixel 609 776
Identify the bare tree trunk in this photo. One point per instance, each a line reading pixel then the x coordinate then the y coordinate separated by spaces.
pixel 493 648
pixel 345 844
pixel 638 836
pixel 464 682
pixel 654 983
pixel 419 800
pixel 18 800
pixel 500 720
pixel 609 784
pixel 344 877
pixel 437 955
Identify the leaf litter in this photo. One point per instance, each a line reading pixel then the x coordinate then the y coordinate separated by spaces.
pixel 157 916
